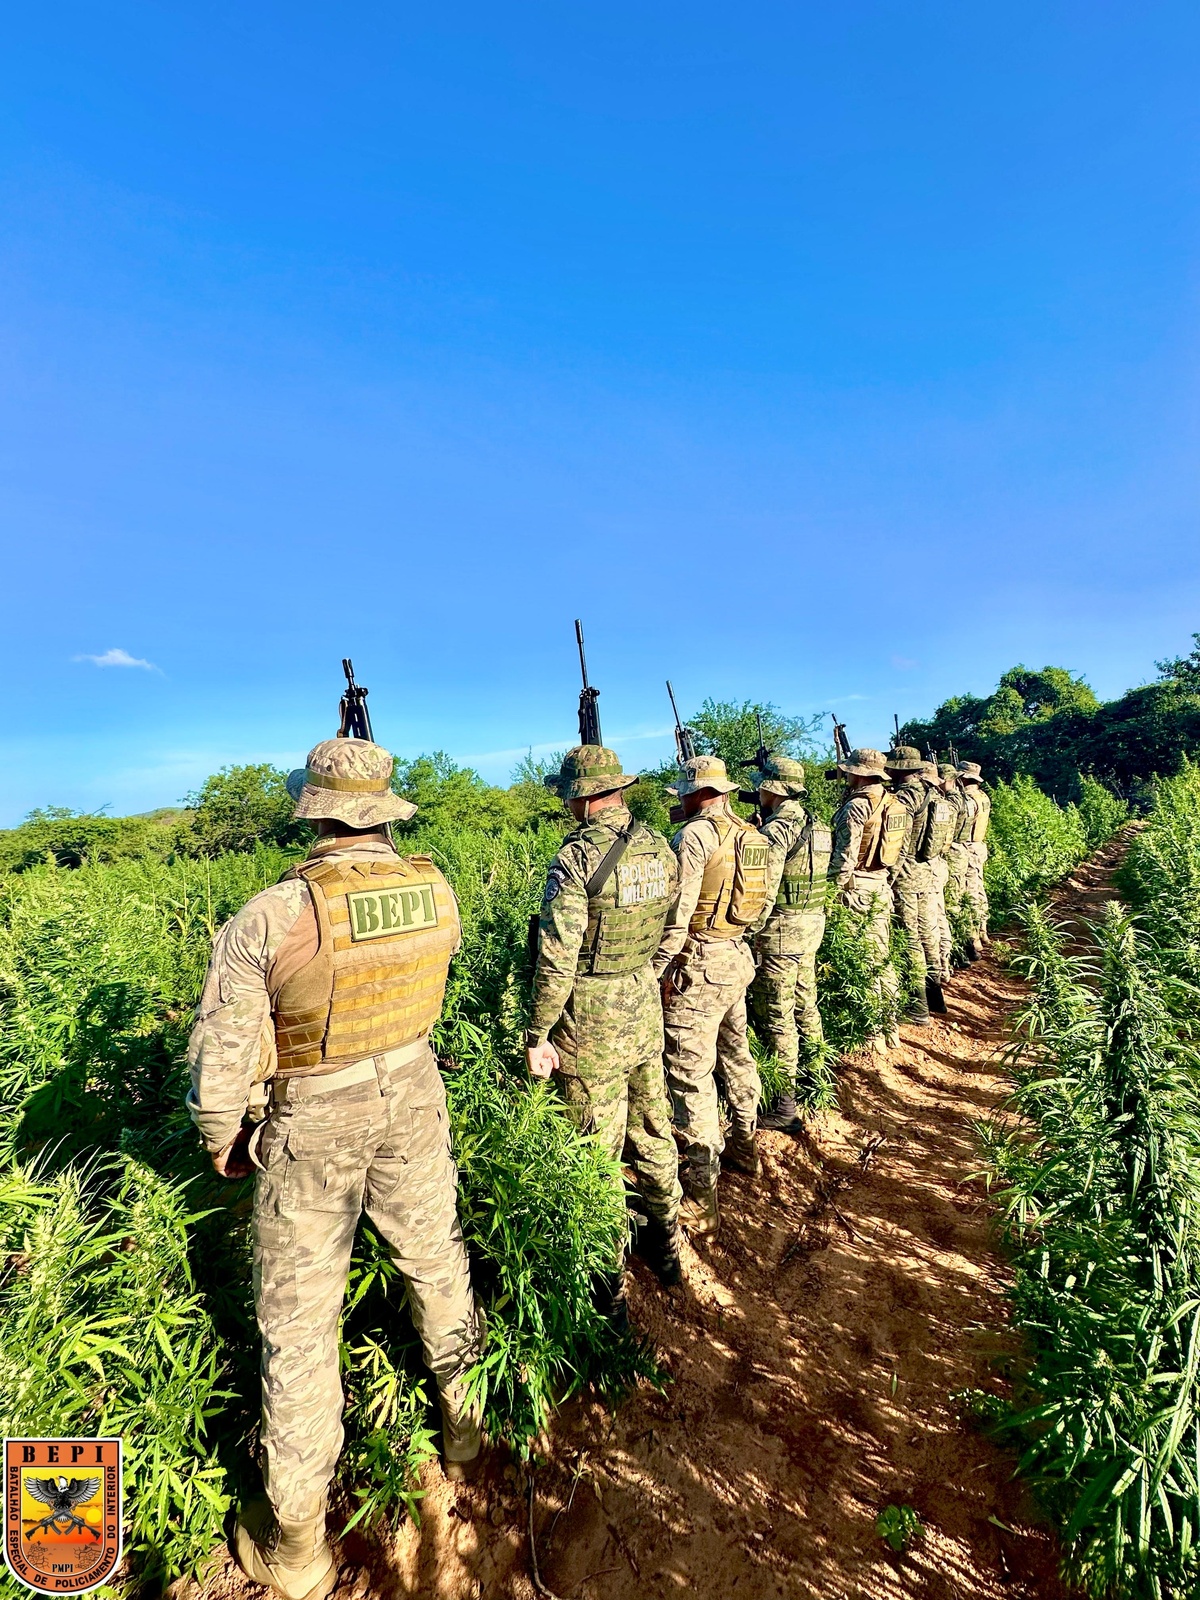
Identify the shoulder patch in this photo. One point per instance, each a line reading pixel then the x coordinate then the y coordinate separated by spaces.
pixel 553 888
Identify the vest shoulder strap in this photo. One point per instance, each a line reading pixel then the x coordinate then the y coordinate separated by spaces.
pixel 610 861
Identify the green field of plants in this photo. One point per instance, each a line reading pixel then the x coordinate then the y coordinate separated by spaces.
pixel 1100 1189
pixel 125 1286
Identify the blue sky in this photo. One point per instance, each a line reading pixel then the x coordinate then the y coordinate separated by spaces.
pixel 842 356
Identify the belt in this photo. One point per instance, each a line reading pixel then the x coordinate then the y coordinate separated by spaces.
pixel 372 1069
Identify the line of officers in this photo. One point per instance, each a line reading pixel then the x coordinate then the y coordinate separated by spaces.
pixel 651 954
pixel 311 1064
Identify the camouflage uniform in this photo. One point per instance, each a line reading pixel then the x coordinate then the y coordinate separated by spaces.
pixel 706 1015
pixel 913 885
pixel 867 894
pixel 369 1137
pixel 607 1027
pixel 977 800
pixel 783 996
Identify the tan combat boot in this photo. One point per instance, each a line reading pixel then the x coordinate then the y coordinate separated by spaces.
pixel 741 1152
pixel 462 1432
pixel 293 1558
pixel 699 1213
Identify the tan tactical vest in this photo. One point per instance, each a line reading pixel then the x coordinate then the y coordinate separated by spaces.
pixel 733 890
pixel 626 918
pixel 884 834
pixel 386 932
pixel 983 815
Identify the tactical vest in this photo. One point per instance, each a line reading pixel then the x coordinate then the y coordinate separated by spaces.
pixel 941 820
pixel 806 870
pixel 884 834
pixel 386 932
pixel 733 890
pixel 626 918
pixel 983 815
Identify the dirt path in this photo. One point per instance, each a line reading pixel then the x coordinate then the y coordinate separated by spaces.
pixel 813 1351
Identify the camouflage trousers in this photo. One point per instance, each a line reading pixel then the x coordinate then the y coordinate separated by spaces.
pixel 783 996
pixel 913 892
pixel 976 892
pixel 939 878
pixel 381 1147
pixel 868 897
pixel 610 1043
pixel 959 862
pixel 706 1034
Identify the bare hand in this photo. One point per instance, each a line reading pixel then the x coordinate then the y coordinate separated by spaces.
pixel 234 1160
pixel 542 1060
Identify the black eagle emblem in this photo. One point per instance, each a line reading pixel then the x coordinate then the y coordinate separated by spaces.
pixel 62 1496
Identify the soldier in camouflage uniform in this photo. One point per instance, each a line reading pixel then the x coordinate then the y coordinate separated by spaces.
pixel 321 992
pixel 783 996
pixel 972 832
pixel 912 884
pixel 955 858
pixel 943 825
pixel 706 968
pixel 859 873
pixel 597 1014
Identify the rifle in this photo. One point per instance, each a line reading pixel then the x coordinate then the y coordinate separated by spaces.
pixel 589 715
pixel 896 721
pixel 355 718
pixel 841 744
pixel 685 739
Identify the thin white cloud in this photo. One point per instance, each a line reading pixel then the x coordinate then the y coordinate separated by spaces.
pixel 119 658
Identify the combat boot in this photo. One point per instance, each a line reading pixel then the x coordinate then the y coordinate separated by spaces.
pixel 700 1214
pixel 918 1010
pixel 608 1297
pixel 741 1152
pixel 462 1431
pixel 782 1117
pixel 291 1557
pixel 658 1246
pixel 934 998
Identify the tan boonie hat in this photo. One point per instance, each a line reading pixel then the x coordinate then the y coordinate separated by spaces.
pixel 904 758
pixel 970 772
pixel 702 772
pixel 349 780
pixel 781 775
pixel 863 764
pixel 587 770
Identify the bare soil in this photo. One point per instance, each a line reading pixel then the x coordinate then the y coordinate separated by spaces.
pixel 812 1354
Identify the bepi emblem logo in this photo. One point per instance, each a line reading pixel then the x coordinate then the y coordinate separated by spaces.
pixel 62 1512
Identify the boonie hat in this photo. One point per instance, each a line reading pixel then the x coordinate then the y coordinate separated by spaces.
pixel 702 772
pixel 948 770
pixel 863 764
pixel 970 772
pixel 349 780
pixel 587 770
pixel 781 775
pixel 904 758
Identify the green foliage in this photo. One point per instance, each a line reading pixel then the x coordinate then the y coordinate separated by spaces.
pixel 69 838
pixel 1032 843
pixel 448 796
pixel 898 1526
pixel 240 807
pixel 1049 725
pixel 102 1332
pixel 1100 1189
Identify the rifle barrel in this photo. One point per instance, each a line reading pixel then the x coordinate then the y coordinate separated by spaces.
pixel 582 657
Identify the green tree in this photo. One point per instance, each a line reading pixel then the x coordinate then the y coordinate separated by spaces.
pixel 240 807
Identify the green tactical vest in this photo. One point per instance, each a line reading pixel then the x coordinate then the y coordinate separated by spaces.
pixel 806 869
pixel 627 917
pixel 941 822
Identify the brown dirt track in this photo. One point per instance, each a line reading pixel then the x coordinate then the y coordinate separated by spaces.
pixel 812 1352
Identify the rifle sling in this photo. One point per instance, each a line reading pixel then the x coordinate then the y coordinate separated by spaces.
pixel 608 864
